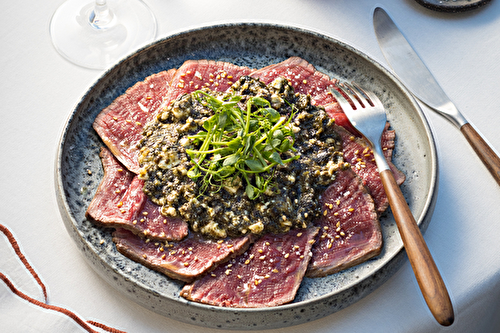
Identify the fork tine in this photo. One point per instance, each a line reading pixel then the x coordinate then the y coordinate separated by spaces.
pixel 371 97
pixel 344 103
pixel 344 86
pixel 362 94
pixel 359 100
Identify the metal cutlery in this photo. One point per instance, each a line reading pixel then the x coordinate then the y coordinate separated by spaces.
pixel 418 79
pixel 369 118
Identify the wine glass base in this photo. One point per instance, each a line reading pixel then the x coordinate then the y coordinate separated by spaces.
pixel 76 39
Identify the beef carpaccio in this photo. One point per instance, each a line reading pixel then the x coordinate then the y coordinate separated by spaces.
pixel 253 270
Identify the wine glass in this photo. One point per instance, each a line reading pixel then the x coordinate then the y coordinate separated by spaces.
pixel 96 33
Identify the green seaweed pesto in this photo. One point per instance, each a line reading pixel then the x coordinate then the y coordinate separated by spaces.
pixel 251 160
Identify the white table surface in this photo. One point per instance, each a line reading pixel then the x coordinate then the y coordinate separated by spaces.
pixel 38 90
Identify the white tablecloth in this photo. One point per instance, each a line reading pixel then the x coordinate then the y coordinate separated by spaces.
pixel 38 90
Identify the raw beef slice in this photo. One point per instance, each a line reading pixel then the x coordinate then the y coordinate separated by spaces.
pixel 268 274
pixel 184 260
pixel 120 202
pixel 120 124
pixel 349 231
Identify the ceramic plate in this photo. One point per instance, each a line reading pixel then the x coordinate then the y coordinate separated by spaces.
pixel 453 6
pixel 253 45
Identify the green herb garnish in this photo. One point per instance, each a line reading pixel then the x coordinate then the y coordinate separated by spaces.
pixel 240 144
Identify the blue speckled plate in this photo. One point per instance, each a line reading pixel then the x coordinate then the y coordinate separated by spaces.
pixel 253 45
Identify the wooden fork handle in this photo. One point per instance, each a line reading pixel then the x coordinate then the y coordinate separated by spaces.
pixel 428 277
pixel 483 150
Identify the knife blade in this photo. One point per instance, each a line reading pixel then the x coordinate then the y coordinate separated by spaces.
pixel 415 75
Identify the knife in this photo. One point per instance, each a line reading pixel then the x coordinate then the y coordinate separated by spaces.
pixel 418 79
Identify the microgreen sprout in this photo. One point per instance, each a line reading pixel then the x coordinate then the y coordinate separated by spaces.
pixel 237 144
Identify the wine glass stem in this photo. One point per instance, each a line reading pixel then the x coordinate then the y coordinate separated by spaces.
pixel 101 17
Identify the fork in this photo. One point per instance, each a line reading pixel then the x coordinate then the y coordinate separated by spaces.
pixel 369 118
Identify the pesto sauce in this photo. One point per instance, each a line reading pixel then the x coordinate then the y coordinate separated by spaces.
pixel 222 210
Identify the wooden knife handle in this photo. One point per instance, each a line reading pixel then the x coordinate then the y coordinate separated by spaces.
pixel 427 274
pixel 483 150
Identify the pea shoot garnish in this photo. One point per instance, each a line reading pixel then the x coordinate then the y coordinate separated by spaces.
pixel 237 144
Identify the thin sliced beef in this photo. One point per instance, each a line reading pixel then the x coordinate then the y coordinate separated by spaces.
pixel 341 120
pixel 326 99
pixel 184 260
pixel 120 124
pixel 350 231
pixel 152 224
pixel 268 274
pixel 120 202
pixel 115 183
pixel 197 74
pixel 359 155
pixel 388 143
pixel 304 78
